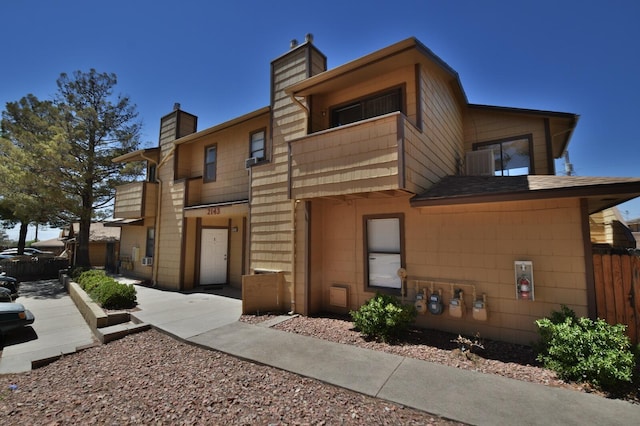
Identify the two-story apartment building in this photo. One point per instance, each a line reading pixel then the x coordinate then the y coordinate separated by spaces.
pixel 377 175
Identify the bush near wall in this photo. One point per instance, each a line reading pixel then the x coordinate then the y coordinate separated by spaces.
pixel 106 291
pixel 582 350
pixel 383 317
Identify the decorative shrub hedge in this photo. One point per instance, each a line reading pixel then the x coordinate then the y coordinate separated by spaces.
pixel 106 291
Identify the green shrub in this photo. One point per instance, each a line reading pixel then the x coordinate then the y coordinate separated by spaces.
pixel 90 279
pixel 77 271
pixel 114 295
pixel 106 291
pixel 383 317
pixel 583 350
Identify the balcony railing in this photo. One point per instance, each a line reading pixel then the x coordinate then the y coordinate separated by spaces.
pixel 379 154
pixel 136 199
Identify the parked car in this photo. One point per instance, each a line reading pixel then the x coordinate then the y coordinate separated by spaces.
pixel 9 283
pixel 28 251
pixel 12 316
pixel 5 295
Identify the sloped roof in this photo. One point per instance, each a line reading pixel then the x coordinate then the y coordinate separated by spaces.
pixel 600 192
pixel 97 232
pixel 52 243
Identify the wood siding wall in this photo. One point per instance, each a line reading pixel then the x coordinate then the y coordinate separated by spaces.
pixel 169 233
pixel 469 245
pixel 484 126
pixel 232 179
pixel 356 158
pixel 136 199
pixel 442 119
pixel 607 227
pixel 271 241
pixel 130 237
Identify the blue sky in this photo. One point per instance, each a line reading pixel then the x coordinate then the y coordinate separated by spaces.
pixel 213 58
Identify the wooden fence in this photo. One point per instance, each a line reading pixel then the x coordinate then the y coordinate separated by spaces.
pixel 617 285
pixel 25 270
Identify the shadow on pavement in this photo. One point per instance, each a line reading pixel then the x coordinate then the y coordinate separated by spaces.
pixel 224 291
pixel 42 289
pixel 19 335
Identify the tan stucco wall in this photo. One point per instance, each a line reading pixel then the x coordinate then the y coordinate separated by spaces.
pixel 473 245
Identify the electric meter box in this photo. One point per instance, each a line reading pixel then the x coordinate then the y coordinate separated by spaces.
pixel 524 280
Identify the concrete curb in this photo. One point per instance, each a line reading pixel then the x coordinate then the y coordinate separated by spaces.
pixel 105 326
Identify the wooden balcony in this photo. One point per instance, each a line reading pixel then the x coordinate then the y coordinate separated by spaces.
pixel 382 154
pixel 136 199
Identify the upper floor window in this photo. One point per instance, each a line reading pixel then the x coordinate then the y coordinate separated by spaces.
pixel 257 145
pixel 151 173
pixel 371 106
pixel 512 157
pixel 210 163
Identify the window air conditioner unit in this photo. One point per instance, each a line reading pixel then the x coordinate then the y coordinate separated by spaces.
pixel 480 163
pixel 250 162
pixel 147 261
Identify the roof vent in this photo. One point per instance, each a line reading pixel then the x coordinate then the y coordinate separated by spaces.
pixel 293 43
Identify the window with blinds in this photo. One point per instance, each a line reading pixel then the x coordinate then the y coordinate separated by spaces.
pixel 372 106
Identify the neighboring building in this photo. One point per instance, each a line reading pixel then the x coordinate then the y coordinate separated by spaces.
pixel 609 229
pixel 104 244
pixel 54 245
pixel 352 178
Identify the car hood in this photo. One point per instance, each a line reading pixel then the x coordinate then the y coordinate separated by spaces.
pixel 8 307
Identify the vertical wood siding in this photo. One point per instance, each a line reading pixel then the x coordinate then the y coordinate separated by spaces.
pixel 617 282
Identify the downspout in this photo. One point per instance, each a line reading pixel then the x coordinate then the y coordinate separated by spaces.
pixel 156 237
pixel 294 204
pixel 307 113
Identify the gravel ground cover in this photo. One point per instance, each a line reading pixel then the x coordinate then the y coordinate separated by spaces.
pixel 505 359
pixel 150 378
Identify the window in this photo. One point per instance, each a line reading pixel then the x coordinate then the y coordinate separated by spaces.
pixel 368 107
pixel 384 251
pixel 256 145
pixel 210 163
pixel 151 238
pixel 512 156
pixel 151 173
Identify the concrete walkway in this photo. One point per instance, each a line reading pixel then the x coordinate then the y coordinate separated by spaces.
pixel 58 330
pixel 210 321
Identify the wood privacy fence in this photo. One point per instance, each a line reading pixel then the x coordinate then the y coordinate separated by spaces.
pixel 617 286
pixel 25 270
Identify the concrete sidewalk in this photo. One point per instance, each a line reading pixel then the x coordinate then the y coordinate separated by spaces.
pixel 210 321
pixel 58 329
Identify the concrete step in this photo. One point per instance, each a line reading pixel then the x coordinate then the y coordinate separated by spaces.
pixel 118 331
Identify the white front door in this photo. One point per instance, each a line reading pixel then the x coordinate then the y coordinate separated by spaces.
pixel 213 256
